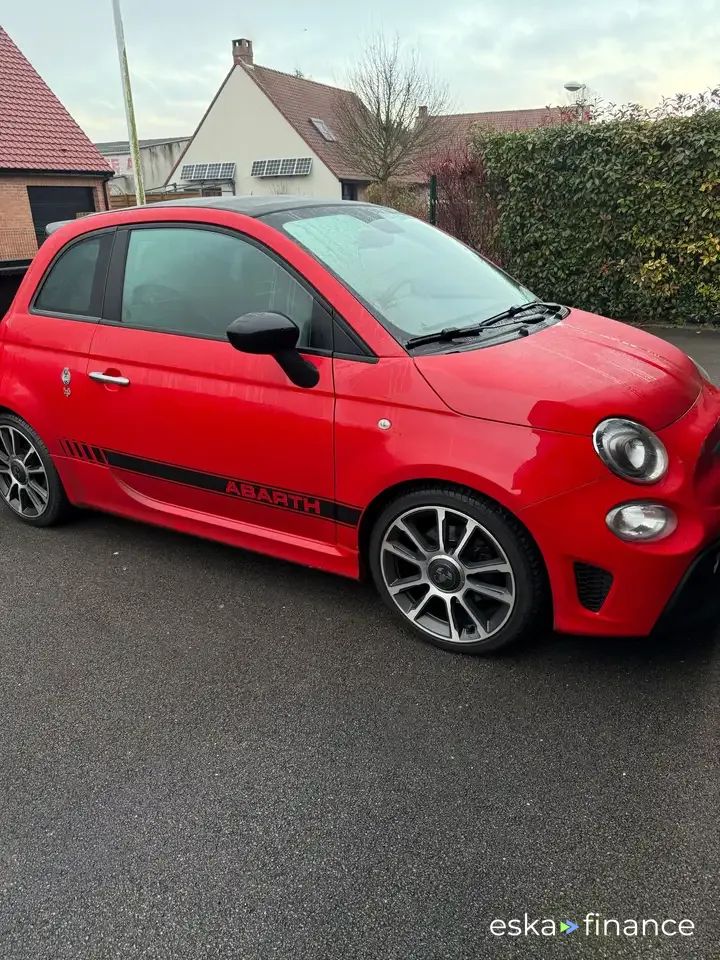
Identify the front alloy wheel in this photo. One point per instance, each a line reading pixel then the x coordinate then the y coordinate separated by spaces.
pixel 448 574
pixel 458 569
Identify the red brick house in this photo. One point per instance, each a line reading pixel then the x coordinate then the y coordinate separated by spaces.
pixel 49 170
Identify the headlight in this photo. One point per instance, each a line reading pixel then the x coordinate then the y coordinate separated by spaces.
pixel 631 450
pixel 642 521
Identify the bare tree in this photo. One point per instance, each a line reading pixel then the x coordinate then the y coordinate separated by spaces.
pixel 388 123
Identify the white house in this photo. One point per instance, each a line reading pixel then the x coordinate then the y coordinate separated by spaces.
pixel 268 132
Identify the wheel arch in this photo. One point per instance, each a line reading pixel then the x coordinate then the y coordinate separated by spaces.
pixel 381 500
pixel 5 409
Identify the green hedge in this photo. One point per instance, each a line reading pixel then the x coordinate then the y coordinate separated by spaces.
pixel 621 218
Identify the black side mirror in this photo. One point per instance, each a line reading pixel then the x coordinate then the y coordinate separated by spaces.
pixel 263 333
pixel 277 335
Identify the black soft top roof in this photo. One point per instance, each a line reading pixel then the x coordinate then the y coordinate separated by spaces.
pixel 257 206
pixel 249 206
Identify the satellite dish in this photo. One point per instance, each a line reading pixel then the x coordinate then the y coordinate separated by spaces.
pixel 573 86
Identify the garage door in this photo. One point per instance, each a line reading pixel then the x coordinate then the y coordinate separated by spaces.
pixel 48 204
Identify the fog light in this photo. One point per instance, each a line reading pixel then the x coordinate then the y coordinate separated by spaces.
pixel 641 521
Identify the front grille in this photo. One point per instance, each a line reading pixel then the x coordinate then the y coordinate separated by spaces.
pixel 593 585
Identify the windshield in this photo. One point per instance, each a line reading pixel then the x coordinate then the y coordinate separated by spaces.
pixel 416 279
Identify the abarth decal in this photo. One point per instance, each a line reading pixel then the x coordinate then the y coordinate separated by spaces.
pixel 240 489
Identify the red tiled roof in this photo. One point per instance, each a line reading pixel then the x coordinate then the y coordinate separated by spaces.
pixel 36 131
pixel 452 131
pixel 460 125
pixel 298 100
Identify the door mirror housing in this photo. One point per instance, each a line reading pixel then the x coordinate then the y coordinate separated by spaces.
pixel 276 335
pixel 263 333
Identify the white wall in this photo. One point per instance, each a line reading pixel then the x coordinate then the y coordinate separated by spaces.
pixel 243 125
pixel 157 162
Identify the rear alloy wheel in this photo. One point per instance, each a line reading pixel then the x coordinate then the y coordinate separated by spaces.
pixel 458 569
pixel 29 484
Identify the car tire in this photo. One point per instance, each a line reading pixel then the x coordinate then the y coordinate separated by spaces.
pixel 479 589
pixel 30 488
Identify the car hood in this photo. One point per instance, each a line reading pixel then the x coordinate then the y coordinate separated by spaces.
pixel 568 377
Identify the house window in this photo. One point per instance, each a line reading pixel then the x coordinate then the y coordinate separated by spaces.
pixel 323 129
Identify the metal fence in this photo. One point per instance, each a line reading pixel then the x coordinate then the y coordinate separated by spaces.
pixel 119 200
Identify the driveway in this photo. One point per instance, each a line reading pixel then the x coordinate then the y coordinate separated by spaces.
pixel 210 754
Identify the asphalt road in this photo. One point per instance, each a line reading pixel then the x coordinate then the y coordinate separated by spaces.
pixel 209 754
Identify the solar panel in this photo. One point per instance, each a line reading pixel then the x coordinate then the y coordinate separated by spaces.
pixel 207 171
pixel 323 129
pixel 281 167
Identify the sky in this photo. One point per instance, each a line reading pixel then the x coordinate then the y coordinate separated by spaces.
pixel 491 54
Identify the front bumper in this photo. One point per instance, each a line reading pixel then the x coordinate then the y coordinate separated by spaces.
pixel 696 599
pixel 643 577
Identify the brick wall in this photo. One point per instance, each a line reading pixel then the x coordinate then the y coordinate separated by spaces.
pixel 17 234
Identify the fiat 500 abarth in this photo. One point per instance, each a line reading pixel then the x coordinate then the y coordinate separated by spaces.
pixel 339 385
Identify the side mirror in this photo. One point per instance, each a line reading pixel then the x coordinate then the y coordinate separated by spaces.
pixel 276 335
pixel 263 333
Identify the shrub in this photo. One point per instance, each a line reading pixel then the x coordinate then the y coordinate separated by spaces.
pixel 465 208
pixel 407 198
pixel 621 217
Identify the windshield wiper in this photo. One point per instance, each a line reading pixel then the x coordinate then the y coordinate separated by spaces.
pixel 455 333
pixel 521 308
pixel 448 333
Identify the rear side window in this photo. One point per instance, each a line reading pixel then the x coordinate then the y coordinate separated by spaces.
pixel 69 286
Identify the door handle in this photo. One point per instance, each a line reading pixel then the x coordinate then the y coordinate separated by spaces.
pixel 109 378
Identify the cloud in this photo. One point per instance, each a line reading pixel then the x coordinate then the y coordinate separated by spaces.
pixel 493 55
pixel 520 54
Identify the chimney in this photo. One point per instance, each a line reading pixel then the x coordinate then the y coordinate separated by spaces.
pixel 242 52
pixel 422 113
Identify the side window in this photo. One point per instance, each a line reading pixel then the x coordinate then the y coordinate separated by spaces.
pixel 196 282
pixel 68 287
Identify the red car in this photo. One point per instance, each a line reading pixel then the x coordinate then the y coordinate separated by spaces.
pixel 343 386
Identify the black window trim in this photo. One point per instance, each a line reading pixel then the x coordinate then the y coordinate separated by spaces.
pixel 112 306
pixel 100 278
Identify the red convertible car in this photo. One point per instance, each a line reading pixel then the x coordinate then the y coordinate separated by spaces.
pixel 346 387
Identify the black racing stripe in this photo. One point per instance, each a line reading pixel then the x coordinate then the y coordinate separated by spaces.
pixel 166 471
pixel 279 498
pixel 347 515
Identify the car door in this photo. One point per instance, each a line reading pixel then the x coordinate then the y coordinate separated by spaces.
pixel 185 423
pixel 47 337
